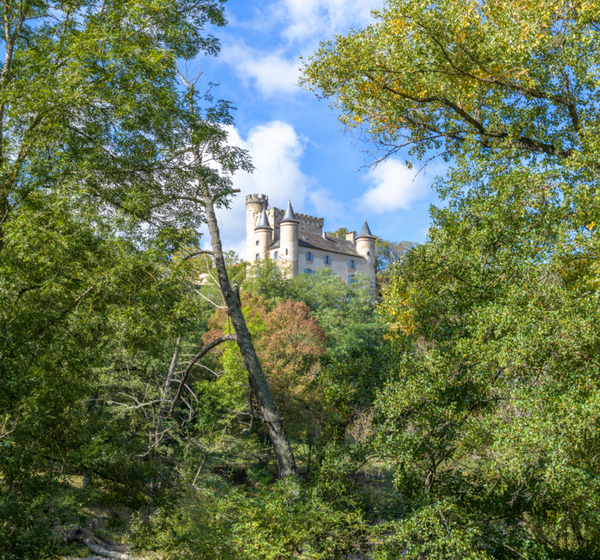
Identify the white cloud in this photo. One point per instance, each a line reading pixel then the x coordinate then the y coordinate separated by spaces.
pixel 320 19
pixel 301 24
pixel 394 187
pixel 270 73
pixel 276 150
pixel 324 204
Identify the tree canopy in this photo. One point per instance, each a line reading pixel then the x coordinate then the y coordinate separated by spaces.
pixel 490 412
pixel 465 75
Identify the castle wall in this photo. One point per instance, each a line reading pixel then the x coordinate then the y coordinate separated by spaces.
pixel 296 259
pixel 340 264
pixel 306 224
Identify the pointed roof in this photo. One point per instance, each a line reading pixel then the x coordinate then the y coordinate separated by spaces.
pixel 263 222
pixel 365 231
pixel 289 213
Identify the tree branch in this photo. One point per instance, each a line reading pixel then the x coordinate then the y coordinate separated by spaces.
pixel 199 355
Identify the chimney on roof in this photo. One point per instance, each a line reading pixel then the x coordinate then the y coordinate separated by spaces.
pixel 350 236
pixel 324 235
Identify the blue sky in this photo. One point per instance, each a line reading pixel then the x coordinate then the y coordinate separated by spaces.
pixel 299 149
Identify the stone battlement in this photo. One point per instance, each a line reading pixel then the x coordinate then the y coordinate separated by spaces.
pixel 307 224
pixel 257 198
pixel 295 247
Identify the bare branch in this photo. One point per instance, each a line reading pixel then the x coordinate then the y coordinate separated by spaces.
pixel 196 253
pixel 199 355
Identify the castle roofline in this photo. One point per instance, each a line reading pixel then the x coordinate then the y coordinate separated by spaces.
pixel 365 231
pixel 289 215
pixel 327 244
pixel 263 223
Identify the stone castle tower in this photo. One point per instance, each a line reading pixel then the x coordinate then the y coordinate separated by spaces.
pixel 298 241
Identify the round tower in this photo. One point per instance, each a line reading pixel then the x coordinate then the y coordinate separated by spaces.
pixel 263 237
pixel 365 246
pixel 255 204
pixel 288 241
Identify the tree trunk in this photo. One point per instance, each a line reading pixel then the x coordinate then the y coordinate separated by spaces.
pixel 258 380
pixel 165 393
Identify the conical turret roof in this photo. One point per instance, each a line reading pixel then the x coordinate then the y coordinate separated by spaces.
pixel 264 221
pixel 289 213
pixel 365 231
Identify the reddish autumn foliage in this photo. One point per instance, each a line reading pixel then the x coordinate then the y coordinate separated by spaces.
pixel 289 342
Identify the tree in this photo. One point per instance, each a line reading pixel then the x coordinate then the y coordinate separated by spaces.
pixel 492 398
pixel 205 145
pixel 388 254
pixel 346 312
pixel 340 233
pixel 493 387
pixel 289 343
pixel 463 75
pixel 98 195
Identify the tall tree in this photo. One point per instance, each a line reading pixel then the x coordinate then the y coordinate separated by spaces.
pixel 493 389
pixel 213 186
pixel 97 195
pixel 387 255
pixel 461 74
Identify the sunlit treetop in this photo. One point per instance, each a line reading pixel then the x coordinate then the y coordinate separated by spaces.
pixel 460 74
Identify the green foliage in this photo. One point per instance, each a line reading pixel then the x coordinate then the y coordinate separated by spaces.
pixel 340 233
pixel 495 399
pixel 284 521
pixel 465 75
pixel 265 279
pixel 96 198
pixel 346 312
pixel 490 418
pixel 441 531
pixel 388 254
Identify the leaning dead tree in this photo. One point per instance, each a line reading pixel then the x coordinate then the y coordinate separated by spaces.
pixel 258 380
pixel 208 147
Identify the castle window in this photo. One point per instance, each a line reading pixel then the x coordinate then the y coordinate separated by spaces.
pixel 309 271
pixel 327 259
pixel 276 255
pixel 309 256
pixel 257 258
pixel 351 279
pixel 257 241
pixel 352 264
pixel 286 251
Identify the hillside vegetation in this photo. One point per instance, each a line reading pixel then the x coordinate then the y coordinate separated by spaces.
pixel 187 406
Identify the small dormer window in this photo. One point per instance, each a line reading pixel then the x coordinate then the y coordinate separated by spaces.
pixel 327 259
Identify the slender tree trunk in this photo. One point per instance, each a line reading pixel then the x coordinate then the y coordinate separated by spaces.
pixel 166 392
pixel 258 380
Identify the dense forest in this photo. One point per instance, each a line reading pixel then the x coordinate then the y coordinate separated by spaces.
pixel 166 401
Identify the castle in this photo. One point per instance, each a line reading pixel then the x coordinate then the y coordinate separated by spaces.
pixel 299 241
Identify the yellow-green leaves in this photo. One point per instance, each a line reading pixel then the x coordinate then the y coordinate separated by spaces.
pixel 519 75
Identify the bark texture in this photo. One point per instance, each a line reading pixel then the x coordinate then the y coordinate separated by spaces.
pixel 258 380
